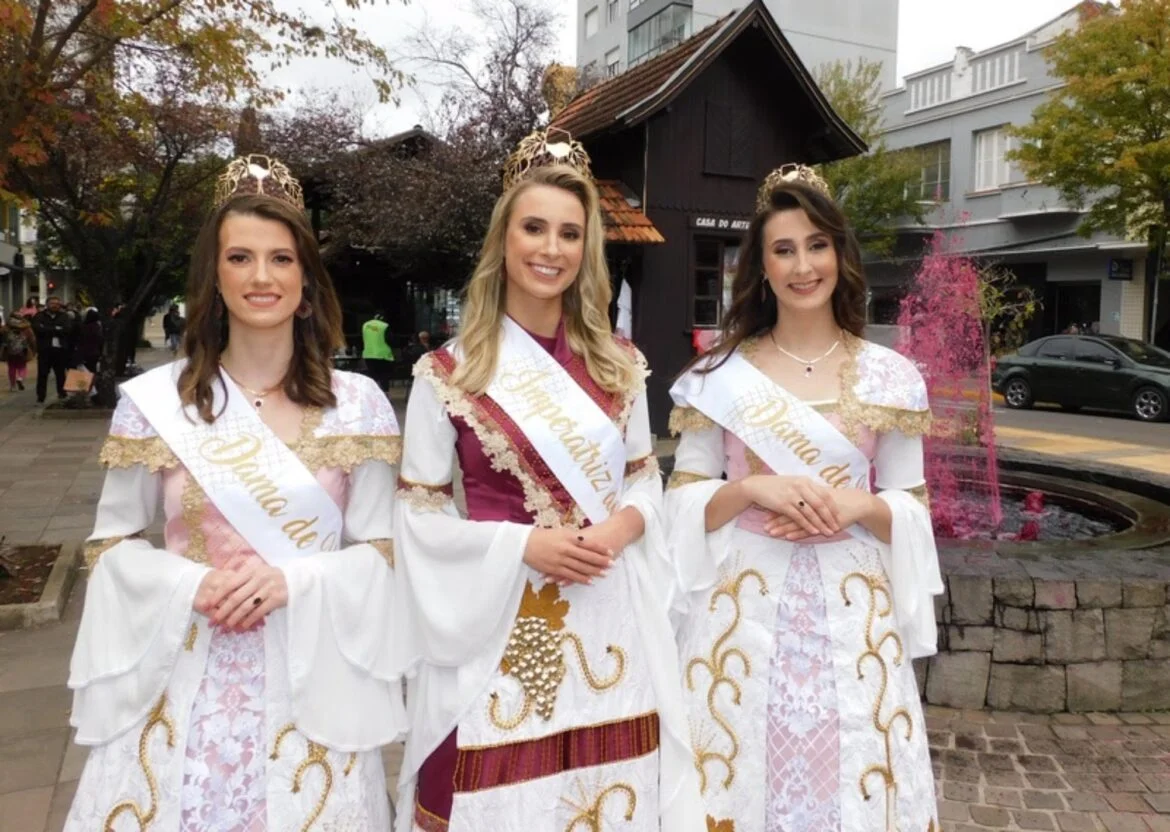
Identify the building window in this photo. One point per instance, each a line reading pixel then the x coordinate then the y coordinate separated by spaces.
pixel 613 62
pixel 635 3
pixel 728 149
pixel 10 223
pixel 592 22
pixel 992 169
pixel 611 11
pixel 934 162
pixel 657 34
pixel 715 263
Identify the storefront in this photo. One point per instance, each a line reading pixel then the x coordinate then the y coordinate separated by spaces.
pixel 688 136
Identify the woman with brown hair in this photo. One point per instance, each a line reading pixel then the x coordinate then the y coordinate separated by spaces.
pixel 235 679
pixel 805 593
pixel 548 694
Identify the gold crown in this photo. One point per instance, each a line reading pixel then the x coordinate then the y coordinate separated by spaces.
pixel 790 173
pixel 539 149
pixel 259 174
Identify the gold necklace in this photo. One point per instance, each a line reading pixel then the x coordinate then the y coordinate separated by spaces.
pixel 257 395
pixel 807 362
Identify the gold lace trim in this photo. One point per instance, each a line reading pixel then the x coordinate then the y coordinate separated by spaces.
pixel 348 452
pixel 385 547
pixel 125 452
pixel 680 478
pixel 94 549
pixel 921 494
pixel 423 497
pixel 642 468
pixel 194 503
pixel 689 419
pixel 501 454
pixel 636 389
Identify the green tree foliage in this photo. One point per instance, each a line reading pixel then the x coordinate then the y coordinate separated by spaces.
pixel 881 187
pixel 1103 138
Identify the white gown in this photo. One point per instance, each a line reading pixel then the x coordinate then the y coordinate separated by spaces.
pixel 203 730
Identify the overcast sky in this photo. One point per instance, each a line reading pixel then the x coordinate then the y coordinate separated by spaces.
pixel 928 32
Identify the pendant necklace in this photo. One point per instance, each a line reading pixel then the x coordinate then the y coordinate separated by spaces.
pixel 258 396
pixel 809 363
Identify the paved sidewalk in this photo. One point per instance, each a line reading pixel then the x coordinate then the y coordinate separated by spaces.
pixel 1089 449
pixel 1066 773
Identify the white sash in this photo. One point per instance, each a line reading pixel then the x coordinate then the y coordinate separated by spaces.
pixel 254 479
pixel 787 434
pixel 579 442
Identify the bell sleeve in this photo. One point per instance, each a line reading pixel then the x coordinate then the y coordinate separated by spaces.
pixel 697 475
pixel 138 600
pixel 344 678
pixel 460 580
pixel 911 558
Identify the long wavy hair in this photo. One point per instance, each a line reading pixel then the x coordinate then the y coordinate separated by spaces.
pixel 308 381
pixel 585 302
pixel 749 315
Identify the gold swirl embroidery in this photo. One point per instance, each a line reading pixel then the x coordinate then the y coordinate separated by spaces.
pixel 156 717
pixel 126 452
pixel 716 665
pixel 589 811
pixel 688 419
pixel 876 589
pixel 349 764
pixel 192 635
pixel 680 478
pixel 535 657
pixel 316 755
pixel 720 825
pixel 424 497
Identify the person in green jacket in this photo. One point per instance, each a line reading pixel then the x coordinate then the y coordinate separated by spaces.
pixel 376 350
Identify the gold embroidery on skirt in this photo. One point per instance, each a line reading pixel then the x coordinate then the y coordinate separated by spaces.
pixel 192 635
pixel 876 589
pixel 720 825
pixel 317 755
pixel 349 764
pixel 535 657
pixel 716 665
pixel 156 717
pixel 589 811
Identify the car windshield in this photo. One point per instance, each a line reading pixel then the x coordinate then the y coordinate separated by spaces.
pixel 1141 353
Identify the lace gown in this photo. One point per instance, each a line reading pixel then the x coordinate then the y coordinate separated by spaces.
pixel 219 748
pixel 802 699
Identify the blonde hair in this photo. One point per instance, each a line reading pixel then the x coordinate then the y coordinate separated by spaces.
pixel 585 302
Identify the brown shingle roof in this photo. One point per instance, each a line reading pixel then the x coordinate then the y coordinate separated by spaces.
pixel 598 107
pixel 624 223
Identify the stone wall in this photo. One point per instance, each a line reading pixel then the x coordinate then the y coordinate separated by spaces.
pixel 1030 644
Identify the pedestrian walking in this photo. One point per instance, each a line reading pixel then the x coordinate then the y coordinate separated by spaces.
pixel 376 350
pixel 173 326
pixel 17 346
pixel 54 328
pixel 89 341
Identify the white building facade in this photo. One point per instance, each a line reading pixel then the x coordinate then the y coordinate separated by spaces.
pixel 613 35
pixel 955 116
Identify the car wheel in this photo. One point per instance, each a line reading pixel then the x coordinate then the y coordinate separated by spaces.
pixel 1149 404
pixel 1017 393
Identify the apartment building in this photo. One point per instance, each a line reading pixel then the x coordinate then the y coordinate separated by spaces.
pixel 955 116
pixel 614 35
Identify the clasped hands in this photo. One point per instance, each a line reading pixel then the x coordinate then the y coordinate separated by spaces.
pixel 240 595
pixel 568 556
pixel 801 507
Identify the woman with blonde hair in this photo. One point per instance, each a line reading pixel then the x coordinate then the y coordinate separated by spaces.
pixel 807 594
pixel 547 696
pixel 236 679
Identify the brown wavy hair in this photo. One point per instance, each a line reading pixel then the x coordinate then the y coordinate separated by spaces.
pixel 308 381
pixel 749 315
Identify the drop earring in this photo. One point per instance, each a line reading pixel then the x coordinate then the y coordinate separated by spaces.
pixel 305 310
pixel 763 288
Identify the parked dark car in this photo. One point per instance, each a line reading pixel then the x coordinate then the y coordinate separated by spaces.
pixel 1099 371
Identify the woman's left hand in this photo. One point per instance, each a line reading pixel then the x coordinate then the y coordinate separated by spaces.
pixel 613 535
pixel 264 590
pixel 853 506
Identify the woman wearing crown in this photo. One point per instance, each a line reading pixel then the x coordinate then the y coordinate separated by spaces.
pixel 806 594
pixel 237 679
pixel 548 694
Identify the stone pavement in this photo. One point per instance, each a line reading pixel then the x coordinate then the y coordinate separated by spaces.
pixel 1065 773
